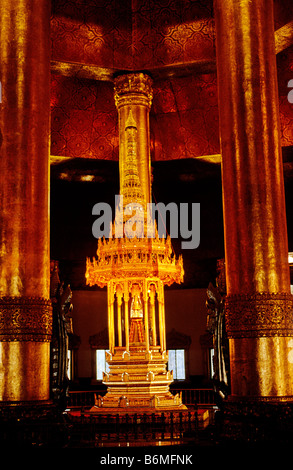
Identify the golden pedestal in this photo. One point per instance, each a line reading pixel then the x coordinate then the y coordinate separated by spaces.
pixel 138 381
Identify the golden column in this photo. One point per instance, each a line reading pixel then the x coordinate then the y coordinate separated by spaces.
pixel 25 308
pixel 259 307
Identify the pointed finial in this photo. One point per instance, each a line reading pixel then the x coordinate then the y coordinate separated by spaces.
pixel 130 121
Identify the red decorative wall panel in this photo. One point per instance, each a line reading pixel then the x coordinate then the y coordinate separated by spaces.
pixel 83 118
pixel 183 118
pixel 142 35
pixel 285 73
pixel 132 35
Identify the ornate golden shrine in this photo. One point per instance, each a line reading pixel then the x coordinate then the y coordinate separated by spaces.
pixel 135 270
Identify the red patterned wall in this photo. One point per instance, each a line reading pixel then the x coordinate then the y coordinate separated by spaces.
pixel 83 118
pixel 142 34
pixel 131 34
pixel 183 119
pixel 285 73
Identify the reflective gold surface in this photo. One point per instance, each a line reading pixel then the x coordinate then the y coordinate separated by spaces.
pixel 24 162
pixel 262 367
pixel 284 37
pixel 134 91
pixel 24 196
pixel 252 171
pixel 259 304
pixel 24 371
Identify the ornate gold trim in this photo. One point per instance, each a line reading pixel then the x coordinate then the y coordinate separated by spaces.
pixel 258 315
pixel 259 399
pixel 128 258
pixel 128 86
pixel 25 319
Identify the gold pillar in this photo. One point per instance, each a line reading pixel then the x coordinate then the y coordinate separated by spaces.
pixel 134 92
pixel 146 317
pixel 25 308
pixel 126 326
pixel 152 295
pixel 161 326
pixel 119 295
pixel 258 304
pixel 162 323
pixel 111 325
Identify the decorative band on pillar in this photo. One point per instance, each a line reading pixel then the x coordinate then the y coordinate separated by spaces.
pixel 134 87
pixel 25 319
pixel 258 315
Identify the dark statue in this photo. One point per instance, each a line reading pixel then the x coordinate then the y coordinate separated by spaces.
pixel 216 326
pixel 61 296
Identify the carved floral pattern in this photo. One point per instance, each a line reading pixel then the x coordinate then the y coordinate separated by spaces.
pixel 257 315
pixel 138 83
pixel 25 319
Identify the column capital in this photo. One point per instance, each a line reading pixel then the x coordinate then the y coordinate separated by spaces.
pixel 133 88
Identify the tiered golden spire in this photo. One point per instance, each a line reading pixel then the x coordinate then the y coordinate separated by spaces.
pixel 141 255
pixel 135 270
